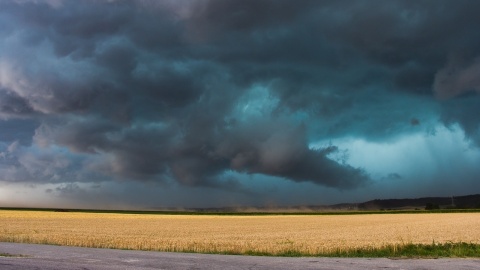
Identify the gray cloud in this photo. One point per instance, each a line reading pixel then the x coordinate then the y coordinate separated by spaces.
pixel 457 78
pixel 463 111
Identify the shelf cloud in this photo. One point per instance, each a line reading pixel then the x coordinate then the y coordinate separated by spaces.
pixel 204 95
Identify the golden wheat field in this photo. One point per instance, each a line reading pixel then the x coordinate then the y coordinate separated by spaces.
pixel 236 234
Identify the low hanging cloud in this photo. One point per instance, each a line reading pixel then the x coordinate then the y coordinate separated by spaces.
pixel 187 91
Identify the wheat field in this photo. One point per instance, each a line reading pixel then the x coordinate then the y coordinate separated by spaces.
pixel 237 234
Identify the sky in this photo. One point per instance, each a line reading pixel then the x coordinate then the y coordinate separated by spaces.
pixel 197 103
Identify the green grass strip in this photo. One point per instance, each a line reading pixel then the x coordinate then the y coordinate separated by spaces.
pixel 445 250
pixel 457 250
pixel 412 251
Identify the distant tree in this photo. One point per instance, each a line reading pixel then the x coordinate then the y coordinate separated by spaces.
pixel 431 206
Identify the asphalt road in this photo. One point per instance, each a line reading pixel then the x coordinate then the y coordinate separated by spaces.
pixel 56 257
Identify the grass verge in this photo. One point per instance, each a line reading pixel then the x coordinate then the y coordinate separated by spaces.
pixel 457 250
pixel 445 250
pixel 411 251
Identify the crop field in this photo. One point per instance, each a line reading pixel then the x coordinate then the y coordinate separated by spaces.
pixel 270 235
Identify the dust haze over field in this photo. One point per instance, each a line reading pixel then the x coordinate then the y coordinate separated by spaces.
pixel 225 103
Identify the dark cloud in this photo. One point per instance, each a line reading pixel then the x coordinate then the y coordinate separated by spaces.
pixel 11 105
pixel 187 91
pixel 458 77
pixel 463 111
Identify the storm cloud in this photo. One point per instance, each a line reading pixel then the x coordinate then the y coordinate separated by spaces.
pixel 188 92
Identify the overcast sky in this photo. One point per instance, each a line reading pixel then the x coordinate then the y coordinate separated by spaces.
pixel 197 103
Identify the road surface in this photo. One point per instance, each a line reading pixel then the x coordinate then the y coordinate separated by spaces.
pixel 55 257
